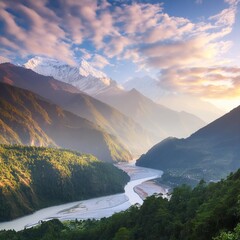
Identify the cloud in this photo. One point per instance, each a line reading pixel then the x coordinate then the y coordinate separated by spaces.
pixel 225 17
pixel 179 42
pixel 171 54
pixel 208 82
pixel 32 28
pixel 169 28
pixel 99 61
pixel 129 17
pixel 116 46
pixel 154 40
pixel 87 20
pixel 187 53
pixel 232 2
pixel 132 54
pixel 85 54
pixel 160 41
pixel 35 35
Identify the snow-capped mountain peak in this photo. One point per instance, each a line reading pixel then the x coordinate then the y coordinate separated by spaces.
pixel 40 61
pixel 85 69
pixel 84 77
pixel 4 60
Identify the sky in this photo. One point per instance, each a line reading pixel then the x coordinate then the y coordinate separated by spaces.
pixel 191 47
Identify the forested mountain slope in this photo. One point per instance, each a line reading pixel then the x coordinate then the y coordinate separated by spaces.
pixel 210 153
pixel 202 213
pixel 36 177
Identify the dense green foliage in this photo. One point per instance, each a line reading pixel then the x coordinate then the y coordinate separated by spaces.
pixel 210 154
pixel 174 179
pixel 230 235
pixel 205 212
pixel 34 177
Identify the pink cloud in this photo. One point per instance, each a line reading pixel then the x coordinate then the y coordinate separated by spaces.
pixel 225 17
pixel 83 22
pixel 155 39
pixel 99 61
pixel 128 15
pixel 41 38
pixel 116 46
pixel 212 83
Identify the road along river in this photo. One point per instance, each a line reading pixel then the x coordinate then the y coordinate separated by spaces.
pixel 97 207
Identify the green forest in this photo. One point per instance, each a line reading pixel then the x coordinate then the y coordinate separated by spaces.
pixel 35 177
pixel 208 211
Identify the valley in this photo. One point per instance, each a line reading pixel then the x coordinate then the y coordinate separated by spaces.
pixel 42 115
pixel 71 99
pixel 26 118
pixel 119 120
pixel 211 153
pixel 36 177
pixel 95 207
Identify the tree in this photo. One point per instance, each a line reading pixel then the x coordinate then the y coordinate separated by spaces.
pixel 122 234
pixel 229 235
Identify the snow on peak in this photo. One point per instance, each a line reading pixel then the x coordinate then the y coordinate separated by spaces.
pixel 85 69
pixel 84 77
pixel 4 60
pixel 36 62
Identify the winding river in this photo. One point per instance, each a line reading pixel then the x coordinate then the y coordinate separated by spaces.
pixel 96 207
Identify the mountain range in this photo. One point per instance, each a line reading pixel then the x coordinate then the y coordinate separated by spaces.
pixel 210 153
pixel 151 88
pixel 81 104
pixel 147 85
pixel 151 116
pixel 84 77
pixel 156 118
pixel 39 110
pixel 28 119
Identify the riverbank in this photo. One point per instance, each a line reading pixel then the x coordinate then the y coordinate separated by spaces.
pixel 150 188
pixel 93 208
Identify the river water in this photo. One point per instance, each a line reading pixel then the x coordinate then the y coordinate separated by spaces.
pixel 96 207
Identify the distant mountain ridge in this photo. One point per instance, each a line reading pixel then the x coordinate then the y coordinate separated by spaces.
pixel 84 77
pixel 151 88
pixel 160 121
pixel 210 153
pixel 27 119
pixel 83 105
pixel 156 118
pixel 146 85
